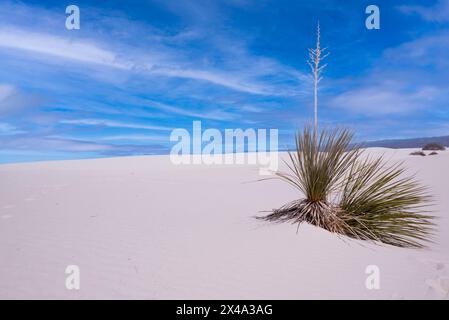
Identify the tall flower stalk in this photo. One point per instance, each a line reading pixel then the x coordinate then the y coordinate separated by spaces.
pixel 316 57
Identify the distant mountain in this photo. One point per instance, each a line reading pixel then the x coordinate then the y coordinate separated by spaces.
pixel 407 143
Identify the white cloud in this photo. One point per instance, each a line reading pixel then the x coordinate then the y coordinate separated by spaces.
pixel 43 143
pixel 252 108
pixel 383 100
pixel 439 12
pixel 66 48
pixel 212 115
pixel 113 124
pixel 8 129
pixel 135 137
pixel 215 77
pixel 239 71
pixel 426 50
pixel 6 91
pixel 14 101
pixel 410 77
pixel 115 138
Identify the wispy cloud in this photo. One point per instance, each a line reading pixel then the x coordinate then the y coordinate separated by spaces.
pixel 216 77
pixel 5 91
pixel 410 78
pixel 8 129
pixel 113 124
pixel 45 143
pixel 427 50
pixel 385 100
pixel 438 13
pixel 13 101
pixel 66 48
pixel 172 65
pixel 135 137
pixel 213 115
pixel 139 138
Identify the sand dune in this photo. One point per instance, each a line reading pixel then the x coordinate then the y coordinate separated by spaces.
pixel 140 227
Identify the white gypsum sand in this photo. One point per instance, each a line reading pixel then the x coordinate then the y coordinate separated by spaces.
pixel 141 227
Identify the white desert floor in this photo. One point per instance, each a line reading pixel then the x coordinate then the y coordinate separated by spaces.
pixel 141 227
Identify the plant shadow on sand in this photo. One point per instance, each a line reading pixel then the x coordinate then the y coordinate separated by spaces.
pixel 354 195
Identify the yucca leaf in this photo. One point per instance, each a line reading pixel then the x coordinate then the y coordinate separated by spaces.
pixel 350 194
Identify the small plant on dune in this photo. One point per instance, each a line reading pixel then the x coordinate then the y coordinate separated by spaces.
pixel 434 146
pixel 348 193
pixel 418 153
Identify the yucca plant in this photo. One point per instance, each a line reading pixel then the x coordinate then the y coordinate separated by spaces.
pixel 346 192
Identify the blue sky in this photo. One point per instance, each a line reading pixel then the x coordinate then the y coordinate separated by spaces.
pixel 138 69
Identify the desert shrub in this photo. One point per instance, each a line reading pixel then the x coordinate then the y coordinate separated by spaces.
pixel 434 146
pixel 353 195
pixel 417 153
